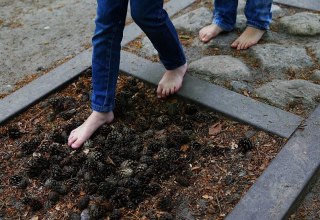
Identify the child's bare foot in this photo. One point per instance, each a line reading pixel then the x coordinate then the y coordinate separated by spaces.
pixel 171 81
pixel 248 38
pixel 79 135
pixel 209 32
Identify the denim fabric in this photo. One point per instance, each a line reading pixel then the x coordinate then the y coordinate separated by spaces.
pixel 110 22
pixel 257 12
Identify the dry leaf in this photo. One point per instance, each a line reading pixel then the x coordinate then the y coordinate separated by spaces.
pixel 35 218
pixel 207 197
pixel 246 93
pixel 215 129
pixel 184 148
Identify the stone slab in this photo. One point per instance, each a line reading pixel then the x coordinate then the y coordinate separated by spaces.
pixel 37 89
pixel 229 103
pixel 307 4
pixel 281 185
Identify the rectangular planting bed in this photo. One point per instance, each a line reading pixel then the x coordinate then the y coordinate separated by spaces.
pixel 160 159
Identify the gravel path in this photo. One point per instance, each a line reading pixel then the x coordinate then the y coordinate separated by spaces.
pixel 37 34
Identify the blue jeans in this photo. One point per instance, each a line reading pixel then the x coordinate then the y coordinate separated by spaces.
pixel 110 22
pixel 257 12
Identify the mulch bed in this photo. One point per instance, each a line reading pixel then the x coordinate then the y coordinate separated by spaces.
pixel 160 159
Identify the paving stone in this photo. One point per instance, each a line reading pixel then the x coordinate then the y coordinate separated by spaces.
pixel 308 4
pixel 147 48
pixel 220 69
pixel 304 24
pixel 315 76
pixel 193 21
pixel 241 86
pixel 283 92
pixel 277 11
pixel 241 23
pixel 316 49
pixel 278 190
pixel 247 110
pixel 276 59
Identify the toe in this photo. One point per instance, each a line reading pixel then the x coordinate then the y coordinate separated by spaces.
pixel 78 143
pixel 163 94
pixel 72 140
pixel 159 91
pixel 172 90
pixel 167 92
pixel 235 44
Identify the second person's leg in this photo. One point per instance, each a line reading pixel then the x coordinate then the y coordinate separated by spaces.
pixel 156 24
pixel 258 14
pixel 224 19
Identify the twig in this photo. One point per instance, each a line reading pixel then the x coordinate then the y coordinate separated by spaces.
pixel 218 203
pixel 37 115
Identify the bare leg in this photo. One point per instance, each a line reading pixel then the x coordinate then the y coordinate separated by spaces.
pixel 209 32
pixel 171 81
pixel 248 38
pixel 83 132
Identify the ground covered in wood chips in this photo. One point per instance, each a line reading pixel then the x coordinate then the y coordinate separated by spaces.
pixel 160 159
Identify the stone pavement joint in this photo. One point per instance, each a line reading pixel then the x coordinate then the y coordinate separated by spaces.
pixel 278 189
pixel 229 103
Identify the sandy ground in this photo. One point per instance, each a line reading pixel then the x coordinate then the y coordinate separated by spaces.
pixel 34 35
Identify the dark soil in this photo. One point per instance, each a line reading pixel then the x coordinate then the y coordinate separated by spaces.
pixel 160 159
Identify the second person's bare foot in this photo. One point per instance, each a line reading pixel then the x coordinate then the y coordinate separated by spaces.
pixel 171 81
pixel 79 135
pixel 248 38
pixel 209 32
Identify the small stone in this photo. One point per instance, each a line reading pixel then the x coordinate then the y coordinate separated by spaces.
pixel 242 173
pixel 277 11
pixel 241 86
pixel 85 215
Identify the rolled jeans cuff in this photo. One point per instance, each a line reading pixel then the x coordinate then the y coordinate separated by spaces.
pixel 98 108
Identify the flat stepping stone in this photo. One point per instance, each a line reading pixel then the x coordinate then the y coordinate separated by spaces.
pixel 308 4
pixel 283 92
pixel 193 21
pixel 276 59
pixel 304 24
pixel 220 69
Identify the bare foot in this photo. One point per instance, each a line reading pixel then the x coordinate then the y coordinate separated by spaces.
pixel 171 81
pixel 79 135
pixel 248 38
pixel 209 32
